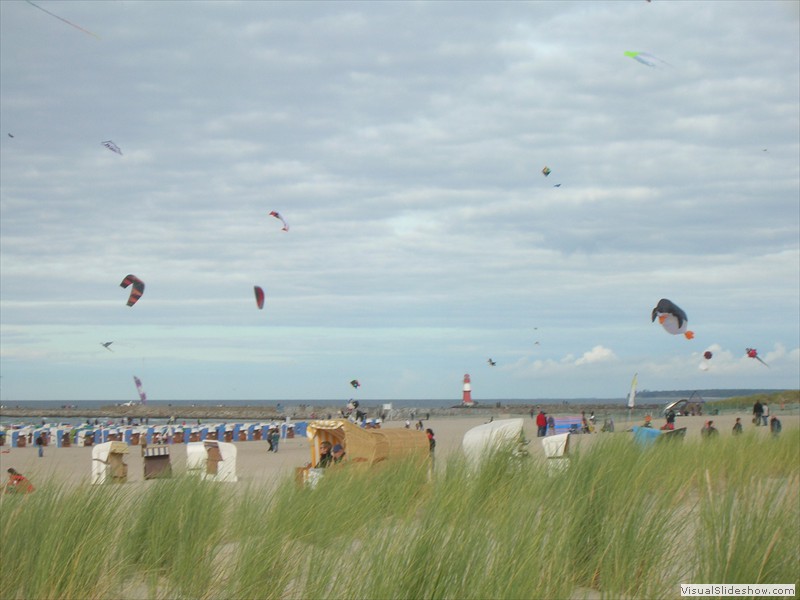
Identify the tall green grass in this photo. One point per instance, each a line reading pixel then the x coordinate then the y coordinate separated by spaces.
pixel 620 521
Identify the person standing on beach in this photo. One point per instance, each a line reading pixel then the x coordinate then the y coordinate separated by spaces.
pixel 40 444
pixel 541 424
pixel 431 440
pixel 737 427
pixel 758 410
pixel 709 431
pixel 274 438
pixel 774 426
pixel 764 414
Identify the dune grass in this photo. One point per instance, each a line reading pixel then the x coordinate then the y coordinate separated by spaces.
pixel 619 522
pixel 773 399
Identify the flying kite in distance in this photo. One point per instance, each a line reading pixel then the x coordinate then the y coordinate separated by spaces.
pixel 753 353
pixel 136 291
pixel 259 297
pixel 107 345
pixel 11 135
pixel 707 355
pixel 278 216
pixel 491 362
pixel 647 59
pixel 672 318
pixel 63 19
pixel 557 185
pixel 355 383
pixel 112 146
pixel 546 171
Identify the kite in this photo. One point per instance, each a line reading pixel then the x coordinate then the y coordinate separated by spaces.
pixel 753 353
pixel 278 216
pixel 112 146
pixel 672 318
pixel 11 135
pixel 107 345
pixel 491 362
pixel 355 383
pixel 259 297
pixel 136 291
pixel 546 171
pixel 63 19
pixel 707 355
pixel 142 395
pixel 557 185
pixel 647 59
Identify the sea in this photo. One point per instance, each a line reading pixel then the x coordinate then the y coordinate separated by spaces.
pixel 286 406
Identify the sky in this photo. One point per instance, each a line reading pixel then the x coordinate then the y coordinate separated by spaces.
pixel 403 143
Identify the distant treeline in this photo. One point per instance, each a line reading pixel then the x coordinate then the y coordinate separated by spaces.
pixel 710 393
pixel 781 399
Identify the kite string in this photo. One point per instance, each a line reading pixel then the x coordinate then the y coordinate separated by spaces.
pixel 63 19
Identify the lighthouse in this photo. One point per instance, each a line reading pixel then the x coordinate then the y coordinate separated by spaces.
pixel 466 398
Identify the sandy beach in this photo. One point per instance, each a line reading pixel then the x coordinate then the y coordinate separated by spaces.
pixel 256 466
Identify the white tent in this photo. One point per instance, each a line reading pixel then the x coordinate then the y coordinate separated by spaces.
pixel 556 448
pixel 212 460
pixel 490 437
pixel 108 463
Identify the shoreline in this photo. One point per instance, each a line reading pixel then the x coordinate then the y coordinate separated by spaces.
pixel 221 413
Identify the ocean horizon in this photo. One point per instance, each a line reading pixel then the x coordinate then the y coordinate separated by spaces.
pixel 643 397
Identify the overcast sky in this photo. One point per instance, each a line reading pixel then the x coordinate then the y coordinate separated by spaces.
pixel 404 145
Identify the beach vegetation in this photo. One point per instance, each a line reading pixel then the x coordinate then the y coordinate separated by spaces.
pixel 620 521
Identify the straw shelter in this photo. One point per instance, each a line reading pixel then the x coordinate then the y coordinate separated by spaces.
pixel 367 445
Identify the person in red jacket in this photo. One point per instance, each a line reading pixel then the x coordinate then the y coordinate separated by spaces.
pixel 18 484
pixel 541 424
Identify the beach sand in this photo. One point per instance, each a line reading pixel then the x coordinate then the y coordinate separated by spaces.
pixel 258 467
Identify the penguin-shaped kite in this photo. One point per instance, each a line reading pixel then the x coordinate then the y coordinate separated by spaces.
pixel 672 318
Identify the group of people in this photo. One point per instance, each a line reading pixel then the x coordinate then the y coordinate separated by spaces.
pixel 761 417
pixel 273 439
pixel 709 431
pixel 329 454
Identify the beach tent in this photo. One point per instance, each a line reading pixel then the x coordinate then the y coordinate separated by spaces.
pixel 108 462
pixel 212 460
pixel 484 439
pixel 367 445
pixel 556 448
pixel 568 424
pixel 645 436
pixel 156 461
pixel 301 428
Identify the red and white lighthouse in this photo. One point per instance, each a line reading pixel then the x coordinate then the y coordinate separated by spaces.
pixel 466 398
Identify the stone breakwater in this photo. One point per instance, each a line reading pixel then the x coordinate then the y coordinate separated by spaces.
pixel 265 413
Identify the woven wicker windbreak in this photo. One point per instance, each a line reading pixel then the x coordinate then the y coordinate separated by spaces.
pixel 367 445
